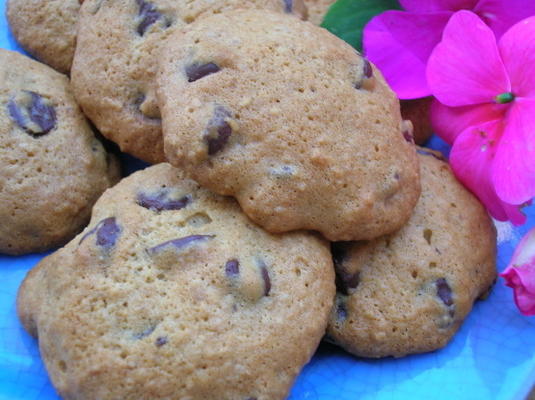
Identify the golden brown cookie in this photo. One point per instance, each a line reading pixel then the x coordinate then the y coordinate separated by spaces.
pixel 53 167
pixel 409 292
pixel 116 60
pixel 172 293
pixel 46 29
pixel 303 139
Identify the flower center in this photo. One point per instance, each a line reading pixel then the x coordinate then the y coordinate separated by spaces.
pixel 506 97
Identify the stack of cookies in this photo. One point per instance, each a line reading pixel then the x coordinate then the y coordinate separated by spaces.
pixel 288 201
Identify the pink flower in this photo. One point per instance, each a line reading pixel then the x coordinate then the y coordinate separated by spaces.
pixel 520 274
pixel 487 91
pixel 399 42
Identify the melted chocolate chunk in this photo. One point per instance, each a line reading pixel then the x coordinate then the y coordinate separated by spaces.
pixel 37 117
pixel 107 232
pixel 288 6
pixel 180 243
pixel 267 280
pixel 148 14
pixel 367 73
pixel 197 71
pixel 161 201
pixel 218 131
pixel 160 341
pixel 232 268
pixel 444 291
pixel 367 69
pixel 145 333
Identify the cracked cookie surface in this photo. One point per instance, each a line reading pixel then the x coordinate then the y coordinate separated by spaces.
pixel 46 29
pixel 53 167
pixel 173 293
pixel 291 121
pixel 409 292
pixel 116 57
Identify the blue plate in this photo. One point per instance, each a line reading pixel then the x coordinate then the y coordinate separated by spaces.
pixel 491 357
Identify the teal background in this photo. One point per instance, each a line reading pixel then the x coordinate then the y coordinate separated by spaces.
pixel 491 357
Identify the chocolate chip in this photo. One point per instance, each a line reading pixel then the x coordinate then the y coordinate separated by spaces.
pixel 408 137
pixel 107 232
pixel 367 69
pixel 288 6
pixel 366 74
pixel 232 268
pixel 35 116
pixel 197 71
pixel 265 276
pixel 160 341
pixel 145 333
pixel 180 243
pixel 444 291
pixel 149 15
pixel 425 152
pixel 161 200
pixel 218 131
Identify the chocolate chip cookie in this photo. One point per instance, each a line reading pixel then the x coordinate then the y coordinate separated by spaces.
pixel 172 293
pixel 410 291
pixel 53 167
pixel 290 120
pixel 46 29
pixel 116 60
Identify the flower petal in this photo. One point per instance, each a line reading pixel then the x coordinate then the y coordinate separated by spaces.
pixel 517 48
pixel 449 122
pixel 437 5
pixel 525 252
pixel 520 274
pixel 465 68
pixel 399 44
pixel 501 15
pixel 472 158
pixel 514 165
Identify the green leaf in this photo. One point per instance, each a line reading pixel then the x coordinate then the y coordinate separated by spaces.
pixel 347 18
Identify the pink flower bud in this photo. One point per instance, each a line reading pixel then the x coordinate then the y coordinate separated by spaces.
pixel 520 274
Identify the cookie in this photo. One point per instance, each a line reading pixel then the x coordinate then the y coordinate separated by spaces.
pixel 317 10
pixel 46 29
pixel 53 167
pixel 116 60
pixel 172 293
pixel 409 292
pixel 303 139
pixel 417 111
